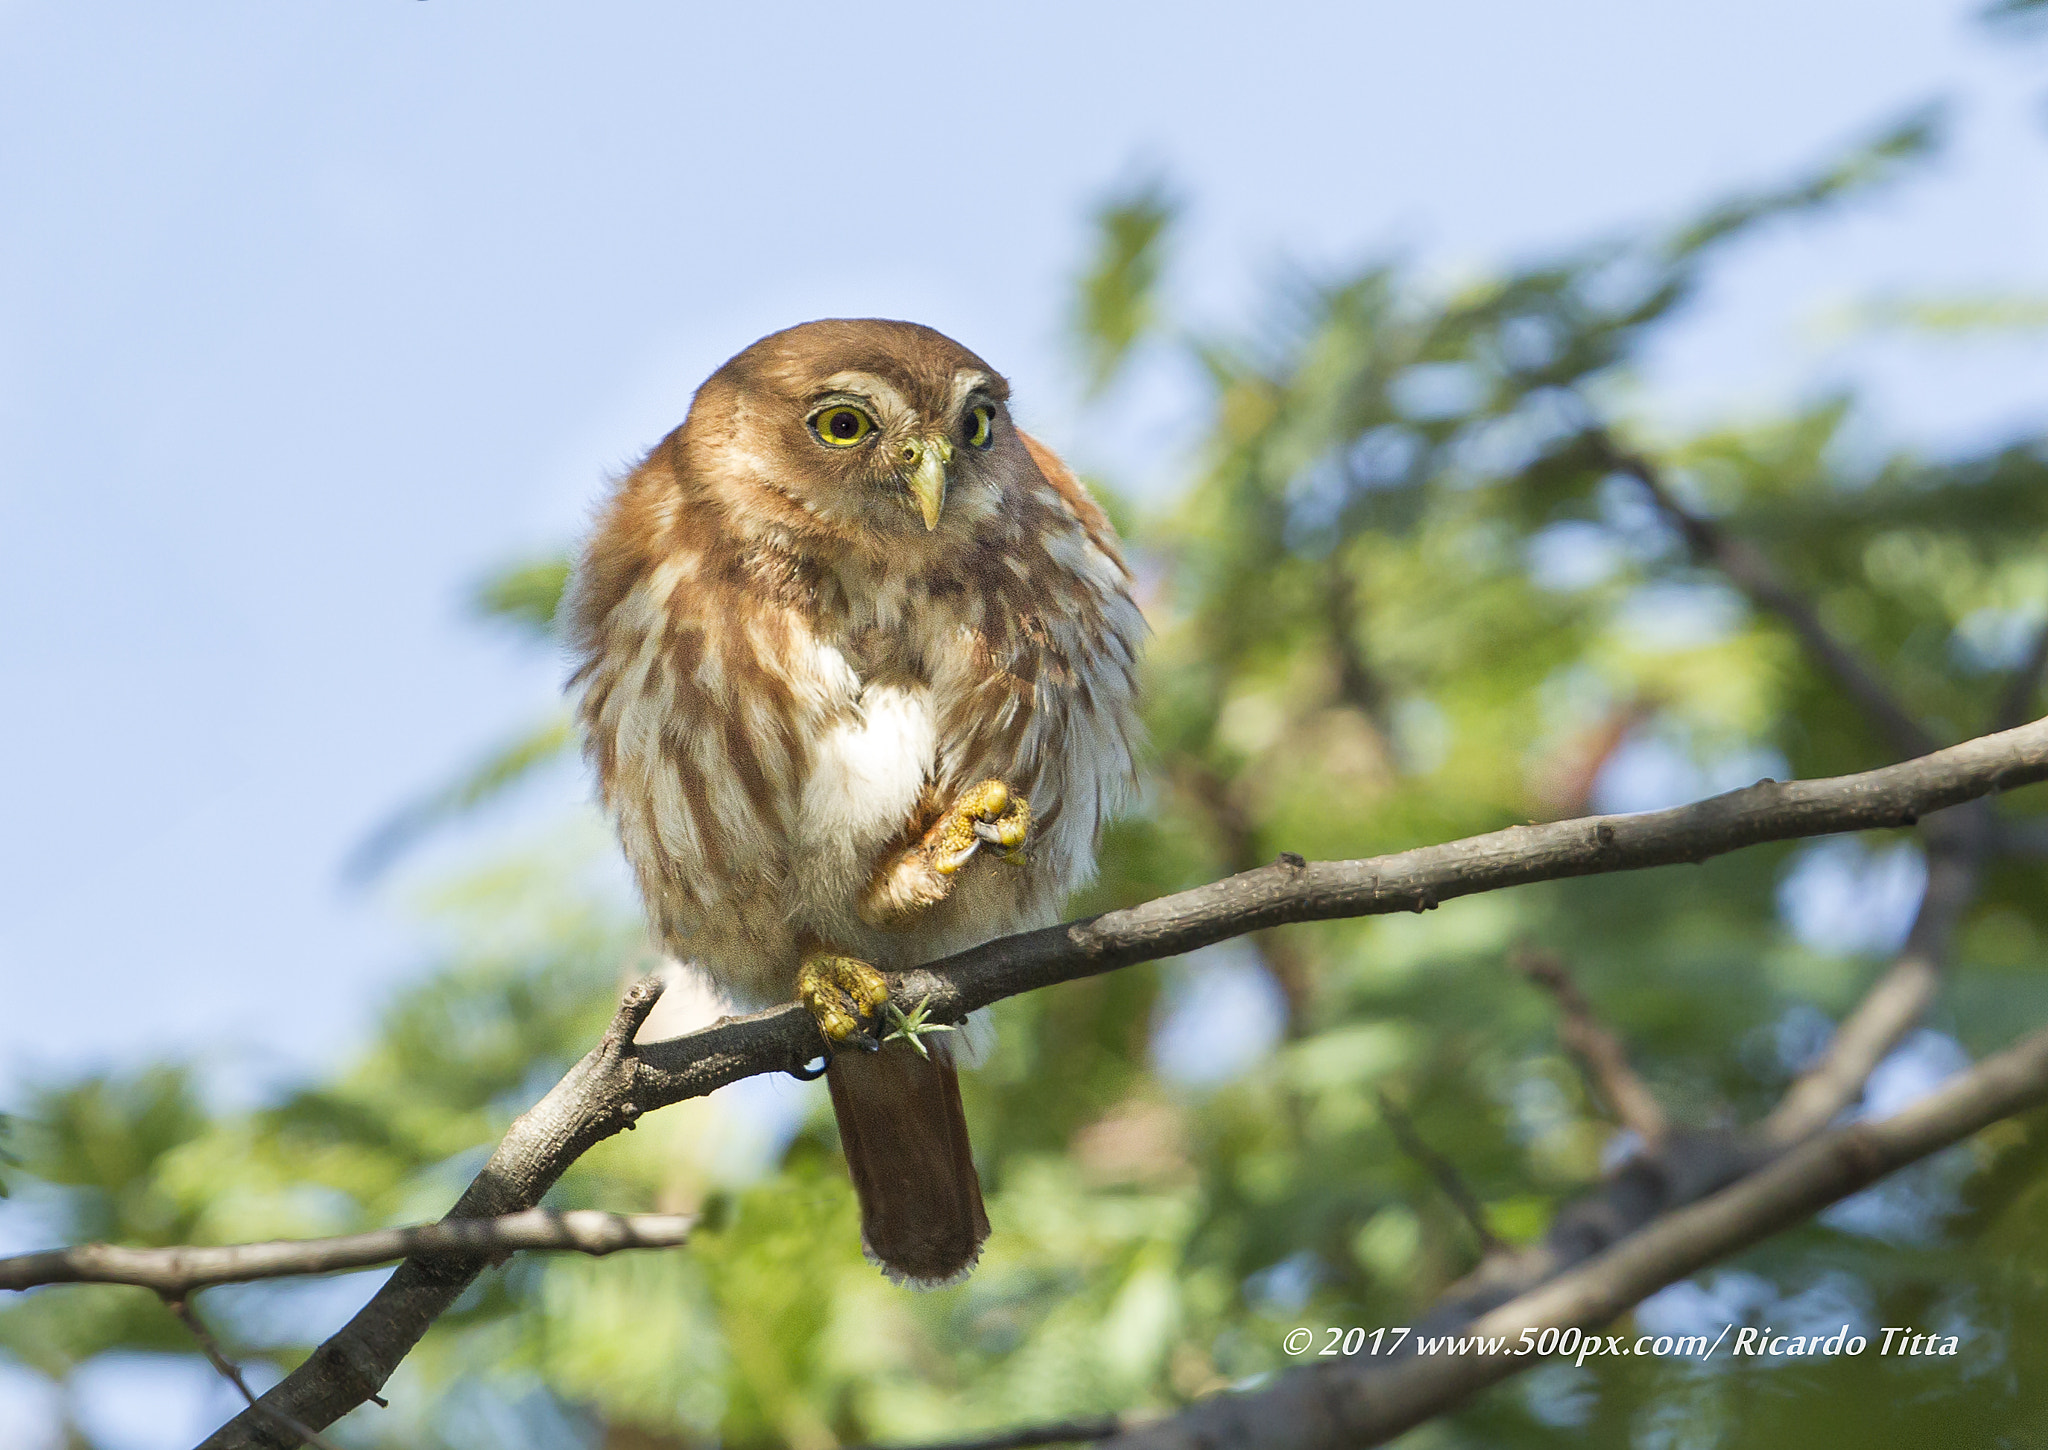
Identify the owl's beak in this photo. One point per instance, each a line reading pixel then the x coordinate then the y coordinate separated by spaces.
pixel 926 480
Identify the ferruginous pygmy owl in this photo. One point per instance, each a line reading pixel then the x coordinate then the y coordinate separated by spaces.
pixel 856 661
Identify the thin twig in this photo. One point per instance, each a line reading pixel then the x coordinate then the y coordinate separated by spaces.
pixel 1748 569
pixel 176 1272
pixel 620 1080
pixel 1448 1179
pixel 1567 788
pixel 1598 1049
pixel 1358 684
pixel 232 1373
pixel 1957 847
pixel 1898 1000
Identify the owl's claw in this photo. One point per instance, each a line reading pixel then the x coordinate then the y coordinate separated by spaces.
pixel 845 995
pixel 1010 843
pixel 990 812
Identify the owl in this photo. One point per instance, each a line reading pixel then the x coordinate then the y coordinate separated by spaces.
pixel 856 663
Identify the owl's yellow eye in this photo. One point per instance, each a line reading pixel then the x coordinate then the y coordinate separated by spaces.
pixel 842 426
pixel 983 430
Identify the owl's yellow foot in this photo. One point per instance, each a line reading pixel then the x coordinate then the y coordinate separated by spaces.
pixel 844 994
pixel 920 876
pixel 990 812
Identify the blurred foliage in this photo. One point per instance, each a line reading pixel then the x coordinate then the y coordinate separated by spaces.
pixel 2015 10
pixel 526 595
pixel 1396 602
pixel 512 763
pixel 9 1159
pixel 1955 315
pixel 1116 304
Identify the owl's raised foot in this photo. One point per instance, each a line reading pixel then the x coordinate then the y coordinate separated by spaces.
pixel 920 876
pixel 845 995
pixel 988 813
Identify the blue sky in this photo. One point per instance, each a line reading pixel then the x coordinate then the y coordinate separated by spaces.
pixel 311 313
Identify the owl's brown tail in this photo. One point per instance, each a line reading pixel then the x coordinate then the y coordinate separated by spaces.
pixel 899 1115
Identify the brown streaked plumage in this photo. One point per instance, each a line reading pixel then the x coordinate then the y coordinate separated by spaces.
pixel 810 645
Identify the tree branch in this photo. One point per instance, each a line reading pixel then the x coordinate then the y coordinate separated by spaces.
pixel 1058 1432
pixel 1589 1039
pixel 1358 683
pixel 1449 1181
pixel 1901 997
pixel 1751 572
pixel 619 1080
pixel 232 1373
pixel 177 1272
pixel 1366 1401
pixel 1958 846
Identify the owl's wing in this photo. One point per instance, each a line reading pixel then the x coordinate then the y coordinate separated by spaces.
pixel 1051 703
pixel 1086 513
pixel 697 733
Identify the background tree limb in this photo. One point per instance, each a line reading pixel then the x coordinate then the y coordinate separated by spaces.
pixel 1958 844
pixel 619 1080
pixel 1363 1401
pixel 1598 1049
pixel 1745 566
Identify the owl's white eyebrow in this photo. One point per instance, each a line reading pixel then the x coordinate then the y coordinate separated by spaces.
pixel 966 383
pixel 879 391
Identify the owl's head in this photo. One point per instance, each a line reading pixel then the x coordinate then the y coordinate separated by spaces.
pixel 875 433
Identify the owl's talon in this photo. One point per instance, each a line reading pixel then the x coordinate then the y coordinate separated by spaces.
pixel 845 995
pixel 990 812
pixel 920 876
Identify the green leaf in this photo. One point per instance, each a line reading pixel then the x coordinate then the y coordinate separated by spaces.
pixel 1117 304
pixel 526 595
pixel 491 777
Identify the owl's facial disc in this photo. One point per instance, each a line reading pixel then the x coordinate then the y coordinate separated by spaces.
pixel 900 438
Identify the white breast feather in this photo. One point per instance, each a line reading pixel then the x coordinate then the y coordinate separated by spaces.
pixel 867 772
